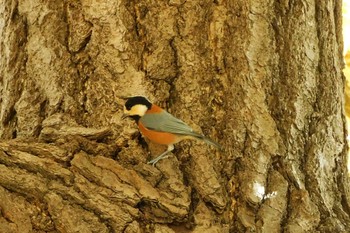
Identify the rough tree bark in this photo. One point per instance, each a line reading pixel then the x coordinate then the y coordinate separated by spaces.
pixel 263 78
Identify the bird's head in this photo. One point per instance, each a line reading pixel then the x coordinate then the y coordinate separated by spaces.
pixel 136 106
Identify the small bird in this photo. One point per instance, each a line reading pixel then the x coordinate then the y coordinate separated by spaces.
pixel 159 126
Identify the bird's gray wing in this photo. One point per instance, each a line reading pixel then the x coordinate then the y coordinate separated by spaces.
pixel 165 122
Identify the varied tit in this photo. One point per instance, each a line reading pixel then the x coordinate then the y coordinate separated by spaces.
pixel 159 126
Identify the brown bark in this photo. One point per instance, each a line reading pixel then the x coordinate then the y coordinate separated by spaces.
pixel 262 78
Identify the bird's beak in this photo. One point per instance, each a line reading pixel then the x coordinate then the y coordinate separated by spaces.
pixel 124 116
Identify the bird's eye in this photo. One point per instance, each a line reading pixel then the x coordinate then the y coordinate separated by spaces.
pixel 125 110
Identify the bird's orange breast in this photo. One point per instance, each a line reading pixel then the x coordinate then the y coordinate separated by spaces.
pixel 163 138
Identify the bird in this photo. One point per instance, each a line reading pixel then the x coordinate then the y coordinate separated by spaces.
pixel 159 126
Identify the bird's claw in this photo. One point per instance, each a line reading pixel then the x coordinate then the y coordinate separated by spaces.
pixel 155 160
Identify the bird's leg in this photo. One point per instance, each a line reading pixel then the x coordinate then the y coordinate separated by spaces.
pixel 162 155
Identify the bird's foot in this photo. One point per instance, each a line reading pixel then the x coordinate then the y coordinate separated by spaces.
pixel 155 160
pixel 164 155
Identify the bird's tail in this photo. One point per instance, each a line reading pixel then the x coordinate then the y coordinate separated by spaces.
pixel 209 141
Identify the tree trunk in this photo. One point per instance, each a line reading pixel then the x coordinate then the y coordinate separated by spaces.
pixel 263 78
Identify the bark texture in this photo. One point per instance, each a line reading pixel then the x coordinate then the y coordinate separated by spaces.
pixel 263 78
